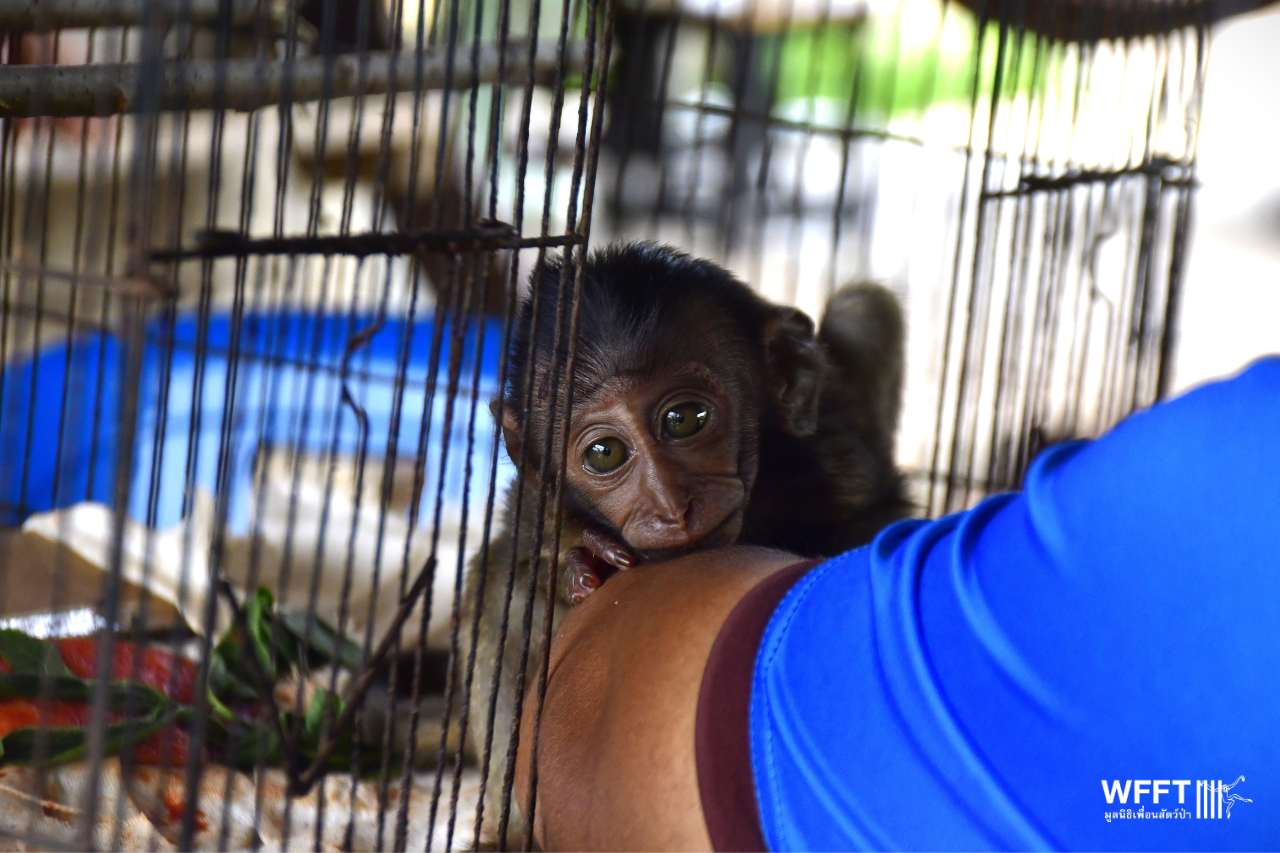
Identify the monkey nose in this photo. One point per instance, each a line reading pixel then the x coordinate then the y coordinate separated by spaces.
pixel 676 516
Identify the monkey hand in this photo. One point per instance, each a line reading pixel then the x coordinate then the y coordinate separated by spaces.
pixel 588 565
pixel 582 575
pixel 608 549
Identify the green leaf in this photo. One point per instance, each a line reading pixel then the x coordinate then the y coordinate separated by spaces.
pixel 236 665
pixel 227 681
pixel 324 642
pixel 27 654
pixel 218 709
pixel 60 745
pixel 124 697
pixel 245 744
pixel 322 712
pixel 287 646
pixel 50 746
pixel 257 620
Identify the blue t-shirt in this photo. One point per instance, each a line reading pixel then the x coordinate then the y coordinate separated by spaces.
pixel 1091 663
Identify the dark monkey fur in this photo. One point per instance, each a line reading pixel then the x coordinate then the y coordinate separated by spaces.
pixel 780 437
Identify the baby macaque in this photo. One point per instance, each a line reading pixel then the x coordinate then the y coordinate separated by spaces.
pixel 702 416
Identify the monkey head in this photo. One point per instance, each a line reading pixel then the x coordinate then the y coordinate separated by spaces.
pixel 680 371
pixel 659 458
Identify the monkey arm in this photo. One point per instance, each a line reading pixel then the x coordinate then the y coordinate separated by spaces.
pixel 616 765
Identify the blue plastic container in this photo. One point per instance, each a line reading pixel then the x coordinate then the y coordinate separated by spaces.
pixel 60 411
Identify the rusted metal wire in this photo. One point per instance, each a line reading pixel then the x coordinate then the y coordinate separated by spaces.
pixel 484 237
pixel 41 16
pixel 99 90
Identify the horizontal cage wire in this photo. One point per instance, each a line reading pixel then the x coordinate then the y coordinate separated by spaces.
pixel 259 271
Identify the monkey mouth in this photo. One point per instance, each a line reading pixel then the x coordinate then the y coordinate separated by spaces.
pixel 725 532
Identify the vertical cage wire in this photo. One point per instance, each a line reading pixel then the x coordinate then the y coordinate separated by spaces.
pixel 279 305
pixel 1023 183
pixel 259 265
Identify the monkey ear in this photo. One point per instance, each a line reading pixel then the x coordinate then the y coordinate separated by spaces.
pixel 796 368
pixel 510 425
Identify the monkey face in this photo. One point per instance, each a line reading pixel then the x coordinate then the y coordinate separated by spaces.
pixel 660 459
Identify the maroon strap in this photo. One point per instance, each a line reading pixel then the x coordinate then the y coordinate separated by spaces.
pixel 721 737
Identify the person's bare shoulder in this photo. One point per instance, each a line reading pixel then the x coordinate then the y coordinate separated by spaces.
pixel 616 756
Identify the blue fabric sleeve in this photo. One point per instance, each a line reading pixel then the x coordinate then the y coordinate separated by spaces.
pixel 1009 677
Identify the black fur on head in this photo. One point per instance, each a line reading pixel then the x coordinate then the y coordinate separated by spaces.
pixel 645 306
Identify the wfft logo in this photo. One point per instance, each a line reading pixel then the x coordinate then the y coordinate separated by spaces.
pixel 1171 799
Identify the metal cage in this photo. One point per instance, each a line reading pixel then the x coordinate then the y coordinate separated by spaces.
pixel 258 264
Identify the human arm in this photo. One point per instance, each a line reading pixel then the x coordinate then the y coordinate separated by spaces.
pixel 617 766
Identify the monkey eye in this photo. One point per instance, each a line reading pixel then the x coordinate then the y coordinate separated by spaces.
pixel 685 419
pixel 604 455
